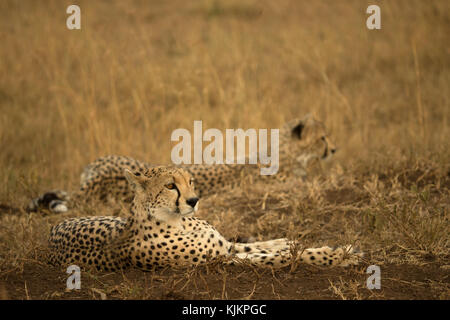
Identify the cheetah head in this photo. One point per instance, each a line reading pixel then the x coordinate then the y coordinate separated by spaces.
pixel 163 192
pixel 304 140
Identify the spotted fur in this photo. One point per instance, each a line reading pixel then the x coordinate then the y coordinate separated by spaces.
pixel 160 230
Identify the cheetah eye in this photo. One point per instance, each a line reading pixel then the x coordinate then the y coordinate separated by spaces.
pixel 323 138
pixel 171 186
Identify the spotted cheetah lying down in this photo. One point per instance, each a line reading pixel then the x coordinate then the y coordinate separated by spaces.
pixel 160 231
pixel 301 142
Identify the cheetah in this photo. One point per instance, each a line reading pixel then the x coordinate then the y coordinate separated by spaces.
pixel 301 142
pixel 160 230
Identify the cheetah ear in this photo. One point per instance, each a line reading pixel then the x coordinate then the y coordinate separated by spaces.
pixel 297 130
pixel 299 125
pixel 133 179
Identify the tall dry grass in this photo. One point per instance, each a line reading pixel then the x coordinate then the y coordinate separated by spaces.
pixel 140 69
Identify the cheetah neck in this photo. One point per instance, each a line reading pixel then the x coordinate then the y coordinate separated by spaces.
pixel 141 219
pixel 137 218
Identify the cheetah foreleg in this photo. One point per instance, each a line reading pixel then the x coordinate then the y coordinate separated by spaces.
pixel 282 256
pixel 257 247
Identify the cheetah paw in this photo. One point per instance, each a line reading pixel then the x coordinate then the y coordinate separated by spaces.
pixel 54 201
pixel 351 256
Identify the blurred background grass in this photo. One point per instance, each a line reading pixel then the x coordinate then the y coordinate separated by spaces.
pixel 137 70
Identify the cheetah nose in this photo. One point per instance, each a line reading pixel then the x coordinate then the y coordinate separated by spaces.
pixel 192 201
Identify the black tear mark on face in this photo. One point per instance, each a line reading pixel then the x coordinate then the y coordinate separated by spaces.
pixel 297 131
pixel 177 202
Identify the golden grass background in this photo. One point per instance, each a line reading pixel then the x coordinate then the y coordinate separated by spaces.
pixel 137 70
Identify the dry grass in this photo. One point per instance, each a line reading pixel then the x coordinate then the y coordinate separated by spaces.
pixel 138 70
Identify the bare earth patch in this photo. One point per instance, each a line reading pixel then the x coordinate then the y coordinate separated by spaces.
pixel 398 282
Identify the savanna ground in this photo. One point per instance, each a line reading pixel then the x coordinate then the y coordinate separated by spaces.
pixel 137 70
